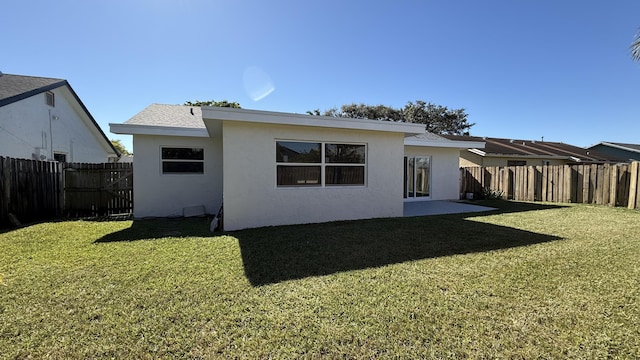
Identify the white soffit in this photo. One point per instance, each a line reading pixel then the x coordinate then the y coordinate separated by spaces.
pixel 131 129
pixel 444 143
pixel 280 118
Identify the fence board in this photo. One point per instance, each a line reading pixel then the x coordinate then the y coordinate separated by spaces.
pixel 98 189
pixel 603 184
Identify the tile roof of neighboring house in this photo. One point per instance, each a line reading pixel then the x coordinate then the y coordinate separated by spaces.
pixel 17 87
pixel 534 148
pixel 623 146
pixel 177 116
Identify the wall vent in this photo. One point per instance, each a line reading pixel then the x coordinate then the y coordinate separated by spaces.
pixel 50 98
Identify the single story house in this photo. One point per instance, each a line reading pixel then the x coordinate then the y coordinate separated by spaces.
pixel 511 152
pixel 274 168
pixel 44 119
pixel 629 152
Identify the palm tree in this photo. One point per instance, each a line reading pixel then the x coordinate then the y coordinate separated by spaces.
pixel 635 48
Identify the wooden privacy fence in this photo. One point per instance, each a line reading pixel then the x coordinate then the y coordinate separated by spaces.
pixel 98 189
pixel 603 184
pixel 33 190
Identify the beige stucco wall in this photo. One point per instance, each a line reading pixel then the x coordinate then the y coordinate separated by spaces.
pixel 445 173
pixel 30 123
pixel 251 198
pixel 165 195
pixel 468 159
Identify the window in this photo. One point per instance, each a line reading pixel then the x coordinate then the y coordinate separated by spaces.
pixel 177 160
pixel 417 177
pixel 60 157
pixel 516 163
pixel 50 98
pixel 319 164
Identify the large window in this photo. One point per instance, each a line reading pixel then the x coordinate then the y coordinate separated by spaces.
pixel 319 164
pixel 178 160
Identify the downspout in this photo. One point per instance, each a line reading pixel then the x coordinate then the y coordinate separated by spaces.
pixel 50 135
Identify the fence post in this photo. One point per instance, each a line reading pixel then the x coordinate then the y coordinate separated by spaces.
pixel 531 183
pixel 633 185
pixel 613 183
pixel 606 184
pixel 567 188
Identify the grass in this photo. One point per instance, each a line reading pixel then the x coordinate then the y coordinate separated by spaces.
pixel 526 281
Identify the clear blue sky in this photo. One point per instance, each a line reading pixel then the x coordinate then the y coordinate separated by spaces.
pixel 521 69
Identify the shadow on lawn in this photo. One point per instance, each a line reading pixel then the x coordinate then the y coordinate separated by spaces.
pixel 275 254
pixel 160 228
pixel 510 206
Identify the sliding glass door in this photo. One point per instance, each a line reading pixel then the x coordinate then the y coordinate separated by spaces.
pixel 417 177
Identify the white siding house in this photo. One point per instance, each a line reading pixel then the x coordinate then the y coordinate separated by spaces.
pixel 280 168
pixel 43 119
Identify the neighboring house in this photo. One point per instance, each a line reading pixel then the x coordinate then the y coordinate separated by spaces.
pixel 629 152
pixel 509 152
pixel 280 168
pixel 44 119
pixel 126 159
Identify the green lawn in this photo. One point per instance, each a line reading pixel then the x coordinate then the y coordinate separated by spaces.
pixel 527 281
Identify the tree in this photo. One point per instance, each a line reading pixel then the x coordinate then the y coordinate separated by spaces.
pixel 120 147
pixel 635 47
pixel 223 103
pixel 438 119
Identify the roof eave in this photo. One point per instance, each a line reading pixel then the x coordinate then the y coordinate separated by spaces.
pixel 133 129
pixel 93 120
pixel 280 118
pixel 28 94
pixel 444 144
pixel 618 146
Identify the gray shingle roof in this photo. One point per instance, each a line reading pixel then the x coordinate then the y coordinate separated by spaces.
pixel 17 87
pixel 428 136
pixel 181 116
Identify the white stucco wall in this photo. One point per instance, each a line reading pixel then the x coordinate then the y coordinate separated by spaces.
pixel 165 195
pixel 445 173
pixel 251 198
pixel 26 126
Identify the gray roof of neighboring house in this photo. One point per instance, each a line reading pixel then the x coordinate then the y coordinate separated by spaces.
pixel 180 116
pixel 17 87
pixel 532 148
pixel 623 146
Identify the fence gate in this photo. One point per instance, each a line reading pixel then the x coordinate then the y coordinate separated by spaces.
pixel 98 189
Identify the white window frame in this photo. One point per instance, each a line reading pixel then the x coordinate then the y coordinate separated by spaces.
pixel 322 164
pixel 186 173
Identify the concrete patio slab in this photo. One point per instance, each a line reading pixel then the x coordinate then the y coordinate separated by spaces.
pixel 437 207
